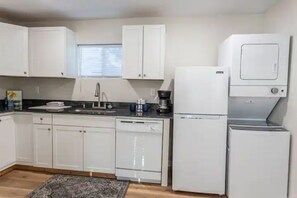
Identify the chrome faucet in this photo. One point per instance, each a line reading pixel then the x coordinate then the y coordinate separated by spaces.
pixel 98 94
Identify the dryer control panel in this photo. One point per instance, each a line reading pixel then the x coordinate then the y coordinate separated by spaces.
pixel 258 91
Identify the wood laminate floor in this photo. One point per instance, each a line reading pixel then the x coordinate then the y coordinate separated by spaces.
pixel 18 184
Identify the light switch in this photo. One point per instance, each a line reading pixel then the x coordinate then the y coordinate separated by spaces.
pixel 37 89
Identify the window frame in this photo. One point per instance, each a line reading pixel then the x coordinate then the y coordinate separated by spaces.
pixel 80 61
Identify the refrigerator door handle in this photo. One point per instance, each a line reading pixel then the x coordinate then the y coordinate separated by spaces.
pixel 192 117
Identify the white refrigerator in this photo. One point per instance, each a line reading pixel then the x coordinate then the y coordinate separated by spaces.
pixel 200 129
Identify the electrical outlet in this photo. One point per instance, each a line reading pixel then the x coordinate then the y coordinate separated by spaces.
pixel 37 89
pixel 153 92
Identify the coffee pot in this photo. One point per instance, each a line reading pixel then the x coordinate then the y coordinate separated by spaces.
pixel 164 101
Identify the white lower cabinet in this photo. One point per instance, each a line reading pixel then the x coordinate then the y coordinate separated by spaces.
pixel 68 147
pixel 43 145
pixel 24 138
pixel 99 150
pixel 84 149
pixel 7 142
pixel 42 141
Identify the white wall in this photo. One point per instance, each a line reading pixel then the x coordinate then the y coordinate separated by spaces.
pixel 282 19
pixel 190 41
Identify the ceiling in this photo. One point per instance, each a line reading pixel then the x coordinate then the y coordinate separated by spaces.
pixel 37 10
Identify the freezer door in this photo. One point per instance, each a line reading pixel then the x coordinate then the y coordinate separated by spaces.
pixel 201 90
pixel 199 153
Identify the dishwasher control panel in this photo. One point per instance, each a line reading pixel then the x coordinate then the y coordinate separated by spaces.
pixel 139 125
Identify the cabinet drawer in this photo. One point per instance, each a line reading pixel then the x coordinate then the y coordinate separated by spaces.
pixel 85 121
pixel 42 119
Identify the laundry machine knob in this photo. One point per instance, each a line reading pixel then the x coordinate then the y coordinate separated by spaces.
pixel 274 90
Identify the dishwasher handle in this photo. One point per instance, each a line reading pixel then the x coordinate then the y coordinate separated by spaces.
pixel 137 122
pixel 139 132
pixel 201 117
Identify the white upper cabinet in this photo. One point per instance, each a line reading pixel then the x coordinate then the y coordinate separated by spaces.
pixel 154 52
pixel 132 51
pixel 52 52
pixel 143 52
pixel 13 50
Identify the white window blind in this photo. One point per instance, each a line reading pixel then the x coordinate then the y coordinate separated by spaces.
pixel 100 60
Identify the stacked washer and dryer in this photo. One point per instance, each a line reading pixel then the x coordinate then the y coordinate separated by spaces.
pixel 258 151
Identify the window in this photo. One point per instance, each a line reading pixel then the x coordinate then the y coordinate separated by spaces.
pixel 100 60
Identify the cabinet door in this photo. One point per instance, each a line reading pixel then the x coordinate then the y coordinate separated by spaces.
pixel 99 150
pixel 259 61
pixel 132 51
pixel 47 50
pixel 43 155
pixel 7 141
pixel 13 50
pixel 68 147
pixel 24 138
pixel 153 51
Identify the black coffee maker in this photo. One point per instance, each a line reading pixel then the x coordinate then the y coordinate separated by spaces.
pixel 164 101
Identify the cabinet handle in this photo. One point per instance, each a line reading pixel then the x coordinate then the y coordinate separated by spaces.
pixel 275 68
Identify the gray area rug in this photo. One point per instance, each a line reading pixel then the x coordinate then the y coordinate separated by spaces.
pixel 67 186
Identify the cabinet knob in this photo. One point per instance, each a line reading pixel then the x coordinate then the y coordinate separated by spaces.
pixel 41 119
pixel 84 131
pixel 80 131
pixel 25 72
pixel 49 129
pixel 0 120
pixel 144 75
pixel 139 75
pixel 62 73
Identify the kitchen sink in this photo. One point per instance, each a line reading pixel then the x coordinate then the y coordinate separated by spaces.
pixel 93 111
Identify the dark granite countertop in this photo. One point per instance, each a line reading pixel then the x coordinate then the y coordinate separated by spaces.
pixel 120 110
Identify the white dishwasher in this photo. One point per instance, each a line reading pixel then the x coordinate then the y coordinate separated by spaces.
pixel 139 150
